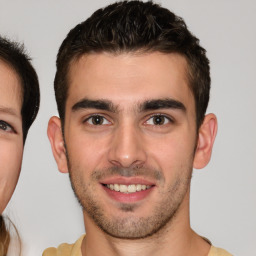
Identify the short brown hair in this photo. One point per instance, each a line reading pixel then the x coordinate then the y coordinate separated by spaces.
pixel 131 26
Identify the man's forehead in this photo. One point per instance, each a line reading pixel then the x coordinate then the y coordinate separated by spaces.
pixel 128 74
pixel 88 58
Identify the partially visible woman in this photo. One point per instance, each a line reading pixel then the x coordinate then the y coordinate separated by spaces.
pixel 19 104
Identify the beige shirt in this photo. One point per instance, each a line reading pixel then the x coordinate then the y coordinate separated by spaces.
pixel 75 250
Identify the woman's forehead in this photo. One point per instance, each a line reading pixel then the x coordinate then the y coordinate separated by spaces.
pixel 10 87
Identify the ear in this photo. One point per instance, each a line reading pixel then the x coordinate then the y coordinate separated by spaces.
pixel 206 137
pixel 54 133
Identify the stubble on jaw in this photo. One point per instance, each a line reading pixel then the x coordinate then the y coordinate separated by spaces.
pixel 131 227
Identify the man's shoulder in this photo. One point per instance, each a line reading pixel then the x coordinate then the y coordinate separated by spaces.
pixel 65 249
pixel 214 251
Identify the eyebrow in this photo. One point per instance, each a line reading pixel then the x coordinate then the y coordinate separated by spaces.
pixel 97 104
pixel 9 111
pixel 162 104
pixel 144 106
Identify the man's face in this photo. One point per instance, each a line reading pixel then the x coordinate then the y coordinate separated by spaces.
pixel 130 135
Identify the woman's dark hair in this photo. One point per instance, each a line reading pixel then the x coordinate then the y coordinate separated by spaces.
pixel 135 26
pixel 13 54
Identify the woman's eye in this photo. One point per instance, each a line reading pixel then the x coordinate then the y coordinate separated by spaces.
pixel 158 120
pixel 5 127
pixel 97 120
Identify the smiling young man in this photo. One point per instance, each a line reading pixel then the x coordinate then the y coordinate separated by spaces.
pixel 132 87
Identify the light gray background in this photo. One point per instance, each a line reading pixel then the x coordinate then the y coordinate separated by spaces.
pixel 223 201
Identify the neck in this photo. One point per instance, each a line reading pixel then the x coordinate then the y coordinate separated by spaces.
pixel 176 238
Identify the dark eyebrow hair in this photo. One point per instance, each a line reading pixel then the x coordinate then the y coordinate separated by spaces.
pixel 145 106
pixel 97 104
pixel 162 104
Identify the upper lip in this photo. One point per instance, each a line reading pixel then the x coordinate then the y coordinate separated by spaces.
pixel 127 181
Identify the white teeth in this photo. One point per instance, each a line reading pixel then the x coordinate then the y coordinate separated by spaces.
pixel 131 188
pixel 138 187
pixel 123 188
pixel 116 187
pixel 128 189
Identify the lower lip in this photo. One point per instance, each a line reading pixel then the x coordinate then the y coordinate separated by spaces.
pixel 128 198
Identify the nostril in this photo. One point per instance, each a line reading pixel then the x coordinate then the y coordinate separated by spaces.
pixel 115 163
pixel 138 166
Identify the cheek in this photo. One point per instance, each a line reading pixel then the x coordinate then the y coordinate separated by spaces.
pixel 172 153
pixel 10 164
pixel 87 151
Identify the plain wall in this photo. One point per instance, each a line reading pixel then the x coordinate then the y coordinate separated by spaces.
pixel 223 197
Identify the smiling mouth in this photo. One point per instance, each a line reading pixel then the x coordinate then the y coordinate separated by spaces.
pixel 127 189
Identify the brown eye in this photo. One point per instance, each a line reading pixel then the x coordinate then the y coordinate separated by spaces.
pixel 97 120
pixel 5 127
pixel 158 120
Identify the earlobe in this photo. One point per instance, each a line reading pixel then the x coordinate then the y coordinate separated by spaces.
pixel 206 137
pixel 54 133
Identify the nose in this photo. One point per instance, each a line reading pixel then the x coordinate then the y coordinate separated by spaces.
pixel 126 148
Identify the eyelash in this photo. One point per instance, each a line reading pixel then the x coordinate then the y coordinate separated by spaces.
pixel 4 126
pixel 169 120
pixel 94 116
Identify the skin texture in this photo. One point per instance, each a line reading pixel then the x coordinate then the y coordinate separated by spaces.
pixel 129 145
pixel 11 138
